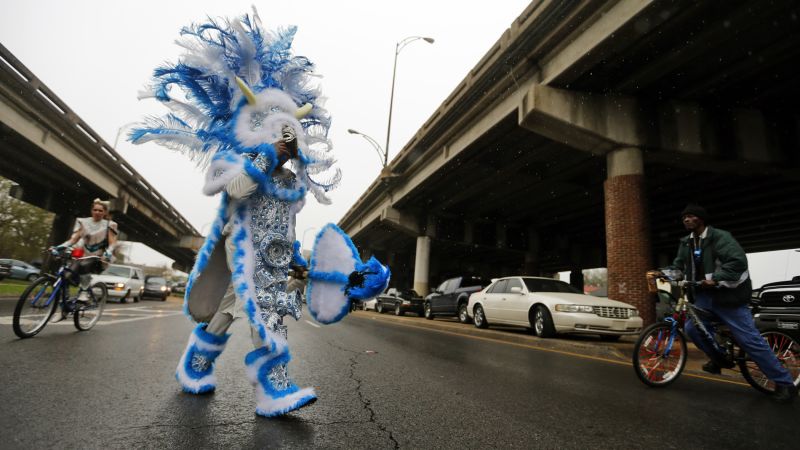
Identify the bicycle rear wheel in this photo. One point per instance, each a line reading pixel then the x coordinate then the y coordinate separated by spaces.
pixel 786 349
pixel 88 313
pixel 659 356
pixel 34 307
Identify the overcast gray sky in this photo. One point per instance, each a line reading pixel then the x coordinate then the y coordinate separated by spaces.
pixel 95 55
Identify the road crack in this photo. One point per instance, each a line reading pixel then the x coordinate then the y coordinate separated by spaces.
pixel 365 401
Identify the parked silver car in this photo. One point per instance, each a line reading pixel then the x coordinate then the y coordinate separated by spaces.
pixel 21 270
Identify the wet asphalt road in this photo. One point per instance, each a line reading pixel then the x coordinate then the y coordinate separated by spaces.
pixel 381 384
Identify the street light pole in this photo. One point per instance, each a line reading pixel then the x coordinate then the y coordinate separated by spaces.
pixel 303 239
pixel 397 48
pixel 381 152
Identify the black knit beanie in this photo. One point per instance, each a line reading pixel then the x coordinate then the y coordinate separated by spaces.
pixel 695 210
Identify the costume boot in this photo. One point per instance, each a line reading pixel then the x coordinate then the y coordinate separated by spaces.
pixel 276 394
pixel 195 371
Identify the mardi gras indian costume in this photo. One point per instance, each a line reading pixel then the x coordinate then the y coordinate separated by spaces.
pixel 242 95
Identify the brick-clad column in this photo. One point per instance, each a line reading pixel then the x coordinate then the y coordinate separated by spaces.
pixel 628 247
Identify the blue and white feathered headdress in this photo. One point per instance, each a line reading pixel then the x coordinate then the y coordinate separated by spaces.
pixel 240 88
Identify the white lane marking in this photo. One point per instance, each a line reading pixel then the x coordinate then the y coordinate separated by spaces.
pixel 110 316
pixel 313 324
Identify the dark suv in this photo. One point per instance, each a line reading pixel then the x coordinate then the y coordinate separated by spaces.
pixel 450 298
pixel 778 307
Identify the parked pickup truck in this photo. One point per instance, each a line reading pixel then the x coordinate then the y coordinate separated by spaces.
pixel 399 301
pixel 122 282
pixel 778 307
pixel 450 298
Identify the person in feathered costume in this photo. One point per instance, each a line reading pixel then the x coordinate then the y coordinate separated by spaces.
pixel 249 113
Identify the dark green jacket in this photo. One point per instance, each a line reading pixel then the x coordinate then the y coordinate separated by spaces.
pixel 725 260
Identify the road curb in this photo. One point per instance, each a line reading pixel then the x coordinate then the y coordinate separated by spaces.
pixel 620 352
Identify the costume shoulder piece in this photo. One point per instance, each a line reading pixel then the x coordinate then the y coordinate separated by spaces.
pixel 242 90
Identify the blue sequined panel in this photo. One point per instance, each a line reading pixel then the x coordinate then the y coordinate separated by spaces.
pixel 269 225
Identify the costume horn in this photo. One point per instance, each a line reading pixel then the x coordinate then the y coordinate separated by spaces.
pixel 248 94
pixel 302 111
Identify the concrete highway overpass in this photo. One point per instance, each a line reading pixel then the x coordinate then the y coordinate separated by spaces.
pixel 579 137
pixel 60 164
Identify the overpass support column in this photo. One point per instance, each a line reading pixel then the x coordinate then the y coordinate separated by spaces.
pixel 422 265
pixel 628 246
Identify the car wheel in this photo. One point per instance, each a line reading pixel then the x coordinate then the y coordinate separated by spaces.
pixel 543 322
pixel 379 307
pixel 427 311
pixel 463 317
pixel 480 317
pixel 32 277
pixel 397 310
pixel 610 337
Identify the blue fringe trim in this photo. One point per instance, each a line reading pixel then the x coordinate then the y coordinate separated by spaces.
pixel 298 404
pixel 297 258
pixel 205 251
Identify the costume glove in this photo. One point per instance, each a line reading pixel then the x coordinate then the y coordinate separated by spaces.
pixel 242 186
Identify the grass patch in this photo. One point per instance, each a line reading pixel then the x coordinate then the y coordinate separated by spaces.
pixel 12 288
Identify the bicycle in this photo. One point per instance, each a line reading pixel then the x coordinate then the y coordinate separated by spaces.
pixel 39 301
pixel 660 353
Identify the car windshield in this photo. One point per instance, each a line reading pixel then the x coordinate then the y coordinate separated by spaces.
pixel 540 285
pixel 156 280
pixel 409 293
pixel 117 271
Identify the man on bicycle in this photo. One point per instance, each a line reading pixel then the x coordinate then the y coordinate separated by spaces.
pixel 715 259
pixel 98 236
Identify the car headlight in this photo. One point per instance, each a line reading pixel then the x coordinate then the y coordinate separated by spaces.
pixel 163 288
pixel 575 308
pixel 406 302
pixel 119 286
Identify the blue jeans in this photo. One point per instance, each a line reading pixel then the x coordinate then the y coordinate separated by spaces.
pixel 745 333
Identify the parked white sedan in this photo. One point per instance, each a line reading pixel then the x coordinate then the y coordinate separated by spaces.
pixel 549 307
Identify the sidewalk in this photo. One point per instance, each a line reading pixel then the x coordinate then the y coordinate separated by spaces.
pixel 620 352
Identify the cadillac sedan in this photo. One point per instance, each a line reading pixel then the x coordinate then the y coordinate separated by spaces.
pixel 549 307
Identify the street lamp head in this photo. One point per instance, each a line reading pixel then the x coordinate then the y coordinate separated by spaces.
pixel 352 131
pixel 428 40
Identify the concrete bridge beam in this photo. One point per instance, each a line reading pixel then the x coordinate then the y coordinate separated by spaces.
pixel 601 123
pixel 400 221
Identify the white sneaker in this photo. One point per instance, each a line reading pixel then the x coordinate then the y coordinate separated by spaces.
pixel 56 317
pixel 83 296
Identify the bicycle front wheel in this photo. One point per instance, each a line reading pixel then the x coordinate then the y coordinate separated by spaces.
pixel 659 355
pixel 88 313
pixel 34 307
pixel 786 349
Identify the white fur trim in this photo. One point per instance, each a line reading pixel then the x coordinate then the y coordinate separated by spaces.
pixel 277 109
pixel 327 300
pixel 333 253
pixel 268 406
pixel 221 172
pixel 189 383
